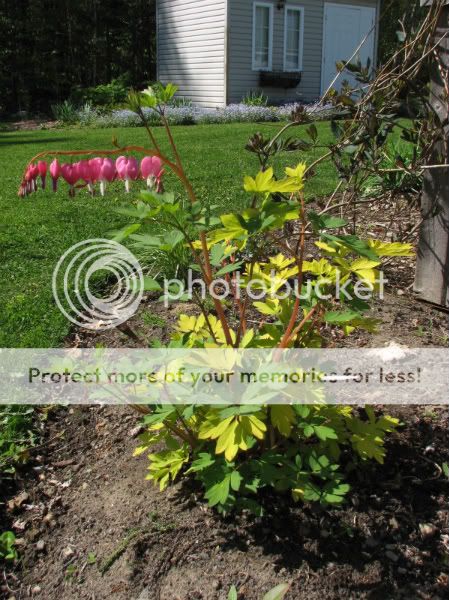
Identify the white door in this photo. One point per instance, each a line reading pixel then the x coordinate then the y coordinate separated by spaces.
pixel 345 26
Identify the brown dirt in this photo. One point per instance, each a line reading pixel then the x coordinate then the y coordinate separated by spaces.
pixel 404 321
pixel 88 495
pixel 30 125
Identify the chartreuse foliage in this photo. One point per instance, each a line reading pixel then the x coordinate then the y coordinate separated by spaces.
pixel 7 543
pixel 237 452
pixel 233 456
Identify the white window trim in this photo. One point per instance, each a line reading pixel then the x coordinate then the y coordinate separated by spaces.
pixel 270 44
pixel 299 9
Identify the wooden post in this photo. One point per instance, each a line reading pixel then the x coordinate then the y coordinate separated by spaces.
pixel 432 269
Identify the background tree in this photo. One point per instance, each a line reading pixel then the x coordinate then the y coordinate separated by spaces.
pixel 393 12
pixel 51 47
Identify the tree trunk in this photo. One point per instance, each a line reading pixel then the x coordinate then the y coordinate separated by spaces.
pixel 432 271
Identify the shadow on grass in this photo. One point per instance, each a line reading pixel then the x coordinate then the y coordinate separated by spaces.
pixel 17 140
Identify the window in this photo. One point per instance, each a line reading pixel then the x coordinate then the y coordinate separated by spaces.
pixel 262 36
pixel 293 38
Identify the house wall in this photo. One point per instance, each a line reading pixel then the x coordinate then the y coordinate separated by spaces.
pixel 241 77
pixel 191 46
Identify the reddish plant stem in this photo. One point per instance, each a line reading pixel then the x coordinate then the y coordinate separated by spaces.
pixel 243 322
pixel 294 316
pixel 304 321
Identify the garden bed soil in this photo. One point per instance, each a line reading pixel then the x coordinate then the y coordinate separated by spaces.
pixel 91 527
pixel 30 125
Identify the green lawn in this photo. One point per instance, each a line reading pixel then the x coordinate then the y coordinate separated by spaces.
pixel 35 232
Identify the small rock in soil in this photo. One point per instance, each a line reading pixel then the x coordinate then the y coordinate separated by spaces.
pixel 17 502
pixel 136 431
pixel 63 463
pixel 392 556
pixel 427 530
pixel 19 525
pixel 40 546
pixel 67 552
pixel 394 523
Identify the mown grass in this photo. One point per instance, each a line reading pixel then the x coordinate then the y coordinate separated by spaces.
pixel 35 232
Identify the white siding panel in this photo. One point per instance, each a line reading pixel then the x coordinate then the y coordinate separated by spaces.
pixel 191 48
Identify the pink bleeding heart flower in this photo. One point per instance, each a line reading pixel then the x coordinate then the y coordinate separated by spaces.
pixel 55 173
pixel 71 174
pixel 22 190
pixel 107 173
pixel 84 170
pixel 42 167
pixel 32 175
pixel 85 173
pixel 28 181
pixel 95 168
pixel 127 169
pixel 152 170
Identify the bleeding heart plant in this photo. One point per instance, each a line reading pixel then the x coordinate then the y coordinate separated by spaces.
pixel 238 451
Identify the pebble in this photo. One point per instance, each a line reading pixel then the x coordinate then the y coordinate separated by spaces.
pixel 36 590
pixel 40 546
pixel 427 530
pixel 67 552
pixel 136 431
pixel 391 556
pixel 394 523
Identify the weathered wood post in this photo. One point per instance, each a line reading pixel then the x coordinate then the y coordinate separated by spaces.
pixel 432 269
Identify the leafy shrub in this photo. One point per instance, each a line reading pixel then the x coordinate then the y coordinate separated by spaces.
pixel 403 180
pixel 237 452
pixel 255 99
pixel 107 95
pixel 173 263
pixel 180 102
pixel 66 112
pixel 87 114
